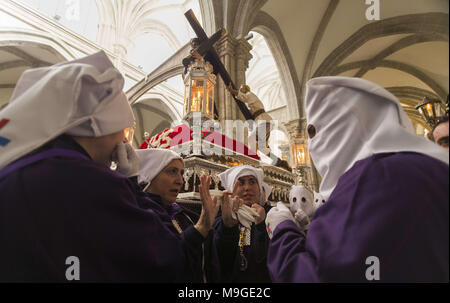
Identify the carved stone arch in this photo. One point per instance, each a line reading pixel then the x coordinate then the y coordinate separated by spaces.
pixel 170 68
pixel 401 44
pixel 207 8
pixel 424 24
pixel 154 26
pixel 215 21
pixel 19 37
pixel 412 96
pixel 440 91
pixel 27 49
pixel 265 25
pixel 406 68
pixel 246 12
pixel 411 92
pixel 158 107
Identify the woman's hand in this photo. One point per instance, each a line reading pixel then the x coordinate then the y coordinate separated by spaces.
pixel 230 203
pixel 209 207
pixel 261 212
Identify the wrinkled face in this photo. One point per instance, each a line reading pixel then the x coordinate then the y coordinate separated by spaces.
pixel 301 198
pixel 167 184
pixel 440 135
pixel 248 190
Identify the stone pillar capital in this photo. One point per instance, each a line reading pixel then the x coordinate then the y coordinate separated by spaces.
pixel 226 46
pixel 296 129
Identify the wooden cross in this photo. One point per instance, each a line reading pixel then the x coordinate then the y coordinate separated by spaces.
pixel 206 49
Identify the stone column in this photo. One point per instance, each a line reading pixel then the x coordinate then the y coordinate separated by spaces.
pixel 285 152
pixel 243 57
pixel 235 55
pixel 120 51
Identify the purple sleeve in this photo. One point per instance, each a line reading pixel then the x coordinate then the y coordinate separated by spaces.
pixel 385 206
pixel 287 256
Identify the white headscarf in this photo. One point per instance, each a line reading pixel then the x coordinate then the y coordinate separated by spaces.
pixel 81 98
pixel 354 119
pixel 152 161
pixel 229 177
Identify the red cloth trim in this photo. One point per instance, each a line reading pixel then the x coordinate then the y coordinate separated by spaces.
pixel 182 133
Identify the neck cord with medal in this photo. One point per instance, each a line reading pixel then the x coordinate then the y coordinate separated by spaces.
pixel 178 228
pixel 244 240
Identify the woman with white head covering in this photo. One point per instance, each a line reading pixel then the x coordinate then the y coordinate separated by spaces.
pixel 61 204
pixel 386 191
pixel 161 177
pixel 242 251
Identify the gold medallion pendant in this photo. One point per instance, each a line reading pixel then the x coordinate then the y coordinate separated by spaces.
pixel 177 226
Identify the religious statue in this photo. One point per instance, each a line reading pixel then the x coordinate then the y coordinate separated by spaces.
pixel 262 119
pixel 260 133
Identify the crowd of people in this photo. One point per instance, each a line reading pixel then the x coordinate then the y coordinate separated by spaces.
pixel 384 193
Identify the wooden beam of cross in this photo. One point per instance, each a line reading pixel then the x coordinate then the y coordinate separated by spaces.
pixel 212 57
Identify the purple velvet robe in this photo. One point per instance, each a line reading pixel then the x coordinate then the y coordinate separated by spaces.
pixel 201 254
pixel 227 239
pixel 70 206
pixel 394 206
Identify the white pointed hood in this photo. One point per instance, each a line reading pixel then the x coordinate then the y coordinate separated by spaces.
pixel 354 119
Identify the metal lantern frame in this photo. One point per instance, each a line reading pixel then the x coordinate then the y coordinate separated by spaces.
pixel 300 155
pixel 431 110
pixel 199 83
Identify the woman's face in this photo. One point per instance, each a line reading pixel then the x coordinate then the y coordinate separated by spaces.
pixel 248 190
pixel 167 184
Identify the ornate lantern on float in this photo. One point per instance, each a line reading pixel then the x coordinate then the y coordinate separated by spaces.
pixel 300 160
pixel 199 83
pixel 431 110
pixel 300 155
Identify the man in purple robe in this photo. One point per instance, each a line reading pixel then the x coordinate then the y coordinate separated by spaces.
pixel 386 212
pixel 65 215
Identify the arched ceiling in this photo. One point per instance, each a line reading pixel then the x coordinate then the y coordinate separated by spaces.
pixel 16 57
pixel 263 76
pixel 408 46
pixel 148 32
pixel 80 16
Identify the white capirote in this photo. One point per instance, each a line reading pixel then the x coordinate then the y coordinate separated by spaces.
pixel 354 119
